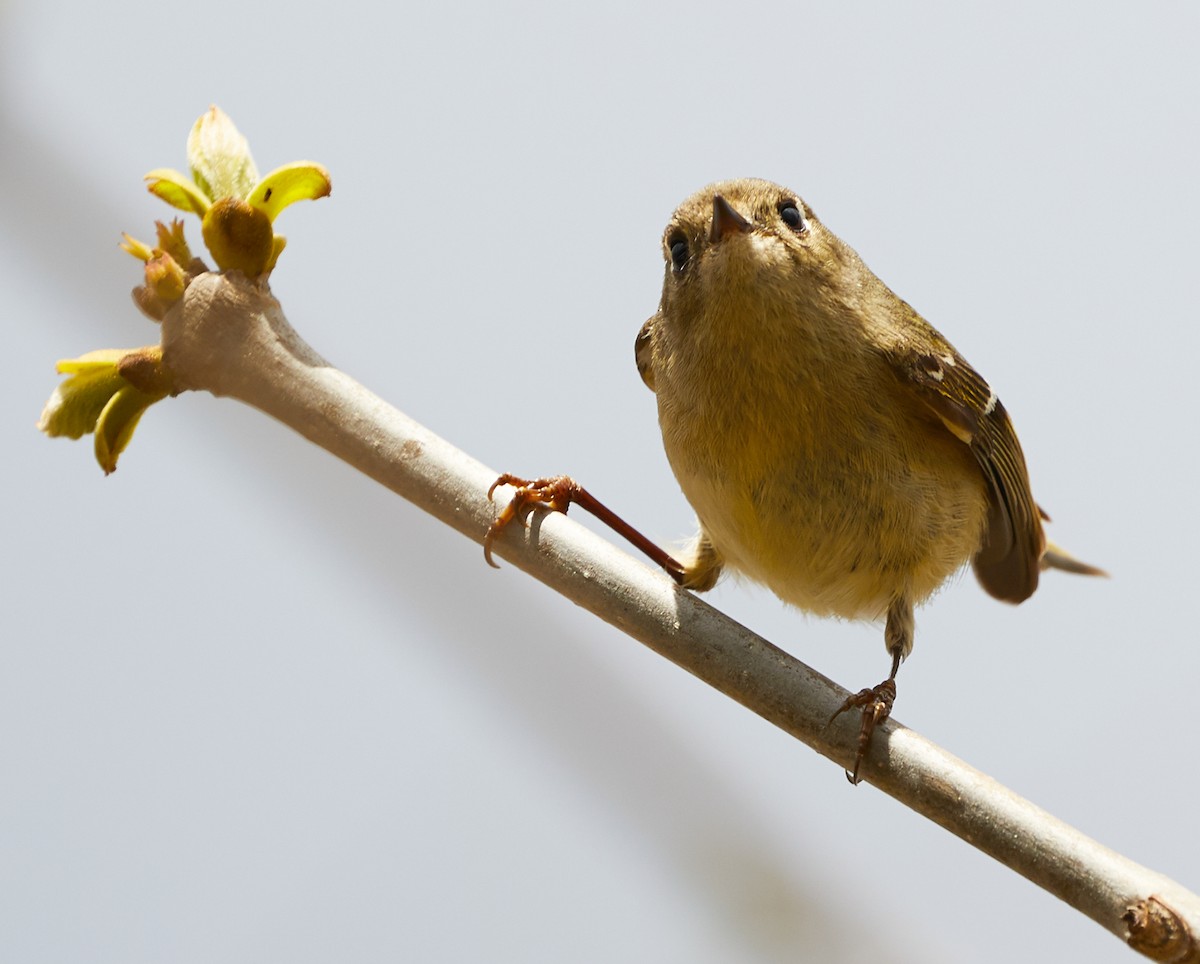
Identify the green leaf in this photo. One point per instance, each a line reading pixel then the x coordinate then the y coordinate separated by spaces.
pixel 77 402
pixel 219 157
pixel 117 422
pixel 177 189
pixel 299 181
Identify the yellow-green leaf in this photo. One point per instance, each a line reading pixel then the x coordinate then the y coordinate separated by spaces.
pixel 299 181
pixel 219 157
pixel 138 249
pixel 171 240
pixel 77 402
pixel 177 189
pixel 93 361
pixel 117 422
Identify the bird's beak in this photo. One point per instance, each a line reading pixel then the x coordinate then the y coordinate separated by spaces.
pixel 726 220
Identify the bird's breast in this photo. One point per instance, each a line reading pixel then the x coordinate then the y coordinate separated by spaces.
pixel 811 474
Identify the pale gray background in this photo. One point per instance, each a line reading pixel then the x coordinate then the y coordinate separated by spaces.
pixel 255 708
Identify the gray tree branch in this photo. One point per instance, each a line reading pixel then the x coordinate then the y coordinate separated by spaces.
pixel 230 337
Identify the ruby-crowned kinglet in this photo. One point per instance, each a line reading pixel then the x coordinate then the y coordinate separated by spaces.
pixel 835 447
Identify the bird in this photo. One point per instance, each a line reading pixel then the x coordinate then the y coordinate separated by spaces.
pixel 835 447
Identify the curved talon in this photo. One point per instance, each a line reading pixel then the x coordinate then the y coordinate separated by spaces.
pixel 487 546
pixel 506 479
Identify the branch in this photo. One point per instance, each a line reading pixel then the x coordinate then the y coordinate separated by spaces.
pixel 228 336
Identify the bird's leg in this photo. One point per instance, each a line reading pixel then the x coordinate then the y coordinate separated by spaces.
pixel 876 702
pixel 559 492
pixel 704 565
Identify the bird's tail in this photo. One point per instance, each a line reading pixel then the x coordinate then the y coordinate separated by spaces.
pixel 1055 557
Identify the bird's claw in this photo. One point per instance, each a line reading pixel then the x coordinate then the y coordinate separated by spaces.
pixel 876 705
pixel 555 492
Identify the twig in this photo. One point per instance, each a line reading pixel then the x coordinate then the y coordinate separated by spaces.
pixel 230 337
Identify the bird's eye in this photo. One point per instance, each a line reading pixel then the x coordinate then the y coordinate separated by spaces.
pixel 790 212
pixel 679 251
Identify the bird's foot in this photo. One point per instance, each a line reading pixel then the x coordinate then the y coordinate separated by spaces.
pixel 876 705
pixel 559 492
pixel 555 492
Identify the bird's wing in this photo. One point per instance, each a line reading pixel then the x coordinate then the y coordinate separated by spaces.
pixel 642 352
pixel 1007 565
